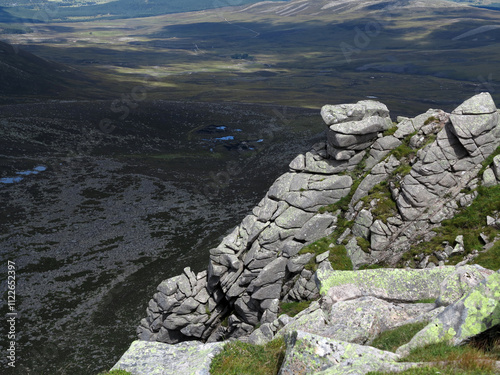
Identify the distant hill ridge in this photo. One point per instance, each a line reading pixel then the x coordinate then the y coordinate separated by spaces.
pixel 76 9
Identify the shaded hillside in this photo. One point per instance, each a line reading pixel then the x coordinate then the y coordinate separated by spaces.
pixel 25 75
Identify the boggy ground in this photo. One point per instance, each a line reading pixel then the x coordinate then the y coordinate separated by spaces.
pixel 122 207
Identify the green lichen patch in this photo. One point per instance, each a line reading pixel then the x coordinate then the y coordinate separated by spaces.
pixel 116 372
pixel 399 284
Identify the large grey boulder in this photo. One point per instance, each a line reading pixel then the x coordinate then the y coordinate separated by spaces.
pixel 155 358
pixel 334 114
pixel 473 314
pixel 307 353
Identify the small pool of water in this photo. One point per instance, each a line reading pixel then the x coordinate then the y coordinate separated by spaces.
pixel 11 180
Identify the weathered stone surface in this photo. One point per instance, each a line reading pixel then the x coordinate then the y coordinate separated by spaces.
pixel 299 163
pixel 267 292
pixel 362 224
pixel 340 154
pixel 293 217
pixel 394 284
pixel 312 354
pixel 315 228
pixel 366 185
pixel 468 127
pixel 271 273
pixel 356 254
pixel 155 358
pixel 339 140
pixel 489 178
pixel 362 319
pixel 333 114
pixel 474 313
pixel 296 264
pixel 496 166
pixel 458 283
pixel 169 286
pixel 312 320
pixel 477 105
pixel 280 186
pixel 372 124
pixel 312 200
pixel 330 183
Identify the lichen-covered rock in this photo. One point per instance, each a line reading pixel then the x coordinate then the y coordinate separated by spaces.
pixel 155 358
pixel 312 354
pixel 474 313
pixel 394 284
pixel 459 283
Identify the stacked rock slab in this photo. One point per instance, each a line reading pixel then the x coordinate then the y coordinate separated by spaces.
pixel 354 127
pixel 258 264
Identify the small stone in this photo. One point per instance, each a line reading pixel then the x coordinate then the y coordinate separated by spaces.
pixel 322 257
pixel 489 178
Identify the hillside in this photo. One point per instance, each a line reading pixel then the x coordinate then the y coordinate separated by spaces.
pixel 25 76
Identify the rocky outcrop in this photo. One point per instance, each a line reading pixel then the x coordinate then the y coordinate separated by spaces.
pixel 333 334
pixel 258 263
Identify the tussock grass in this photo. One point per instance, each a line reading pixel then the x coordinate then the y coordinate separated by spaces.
pixel 394 338
pixel 476 358
pixel 239 358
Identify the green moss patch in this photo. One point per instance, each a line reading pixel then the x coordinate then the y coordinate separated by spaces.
pixel 293 308
pixel 338 254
